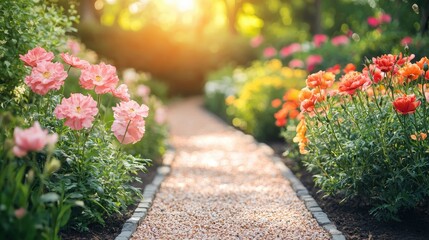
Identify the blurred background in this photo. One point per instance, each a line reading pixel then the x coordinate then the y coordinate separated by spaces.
pixel 179 42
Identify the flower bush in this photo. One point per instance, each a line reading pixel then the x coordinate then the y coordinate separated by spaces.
pixel 364 136
pixel 246 96
pixel 87 169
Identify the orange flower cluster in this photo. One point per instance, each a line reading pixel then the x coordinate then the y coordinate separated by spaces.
pixel 353 81
pixel 289 108
pixel 406 104
pixel 300 137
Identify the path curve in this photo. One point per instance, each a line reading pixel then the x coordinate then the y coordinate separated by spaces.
pixel 222 186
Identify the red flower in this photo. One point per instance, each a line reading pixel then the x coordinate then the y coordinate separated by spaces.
pixel 406 104
pixel 319 39
pixel 353 81
pixel 406 41
pixel 349 67
pixel 374 73
pixel 373 22
pixel 334 69
pixel 385 62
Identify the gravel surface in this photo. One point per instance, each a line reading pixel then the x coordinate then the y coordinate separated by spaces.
pixel 222 186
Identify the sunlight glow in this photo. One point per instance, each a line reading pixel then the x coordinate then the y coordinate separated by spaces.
pixel 182 5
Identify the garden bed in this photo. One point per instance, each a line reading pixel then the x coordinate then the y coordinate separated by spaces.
pixel 114 224
pixel 353 219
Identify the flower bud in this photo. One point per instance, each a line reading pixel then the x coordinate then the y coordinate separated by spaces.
pixel 415 8
pixel 52 166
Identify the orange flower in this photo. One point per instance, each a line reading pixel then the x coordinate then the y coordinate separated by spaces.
pixel 422 62
pixel 419 137
pixel 320 79
pixel 320 94
pixel 291 95
pixel 308 105
pixel 334 69
pixel 305 94
pixel 300 138
pixel 293 114
pixel 406 104
pixel 276 103
pixel 349 67
pixel 353 81
pixel 280 117
pixel 411 71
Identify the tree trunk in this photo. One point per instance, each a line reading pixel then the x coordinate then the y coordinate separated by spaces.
pixel 316 26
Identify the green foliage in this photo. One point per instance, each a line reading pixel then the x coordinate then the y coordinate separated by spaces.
pixel 25 24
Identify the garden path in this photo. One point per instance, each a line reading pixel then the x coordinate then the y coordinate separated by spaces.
pixel 222 186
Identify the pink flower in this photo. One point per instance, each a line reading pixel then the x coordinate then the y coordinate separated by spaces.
pixel 269 52
pixel 143 90
pixel 406 41
pixel 73 46
pixel 160 115
pixel 373 22
pixel 74 61
pixel 31 139
pixel 340 40
pixel 35 56
pixel 319 39
pixel 78 110
pixel 45 77
pixel 102 77
pixel 296 63
pixel 20 213
pixel 122 93
pixel 256 41
pixel 312 61
pixel 129 111
pixel 291 49
pixel 385 18
pixel 129 125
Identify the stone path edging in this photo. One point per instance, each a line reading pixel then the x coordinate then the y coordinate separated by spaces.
pixel 130 226
pixel 303 194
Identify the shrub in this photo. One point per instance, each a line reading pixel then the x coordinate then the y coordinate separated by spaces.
pixel 366 137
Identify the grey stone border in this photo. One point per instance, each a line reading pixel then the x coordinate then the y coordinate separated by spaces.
pixel 303 194
pixel 149 193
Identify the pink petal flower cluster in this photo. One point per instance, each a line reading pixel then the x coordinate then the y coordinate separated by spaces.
pixel 256 41
pixel 101 77
pixel 340 40
pixel 129 125
pixel 74 61
pixel 291 49
pixel 406 41
pixel 31 139
pixel 122 93
pixel 73 46
pixel 78 110
pixel 269 52
pixel 35 56
pixel 376 21
pixel 46 76
pixel 296 63
pixel 319 39
pixel 312 61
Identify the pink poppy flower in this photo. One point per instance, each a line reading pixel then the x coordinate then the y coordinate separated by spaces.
pixel 78 110
pixel 73 46
pixel 45 77
pixel 31 139
pixel 122 93
pixel 340 40
pixel 128 132
pixel 36 55
pixel 131 110
pixel 373 22
pixel 74 61
pixel 269 52
pixel 385 18
pixel 256 41
pixel 406 41
pixel 296 63
pixel 101 77
pixel 129 125
pixel 319 39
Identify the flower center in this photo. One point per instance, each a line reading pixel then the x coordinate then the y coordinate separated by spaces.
pixel 98 78
pixel 46 74
pixel 78 109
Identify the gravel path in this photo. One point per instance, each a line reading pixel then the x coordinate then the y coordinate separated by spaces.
pixel 222 186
